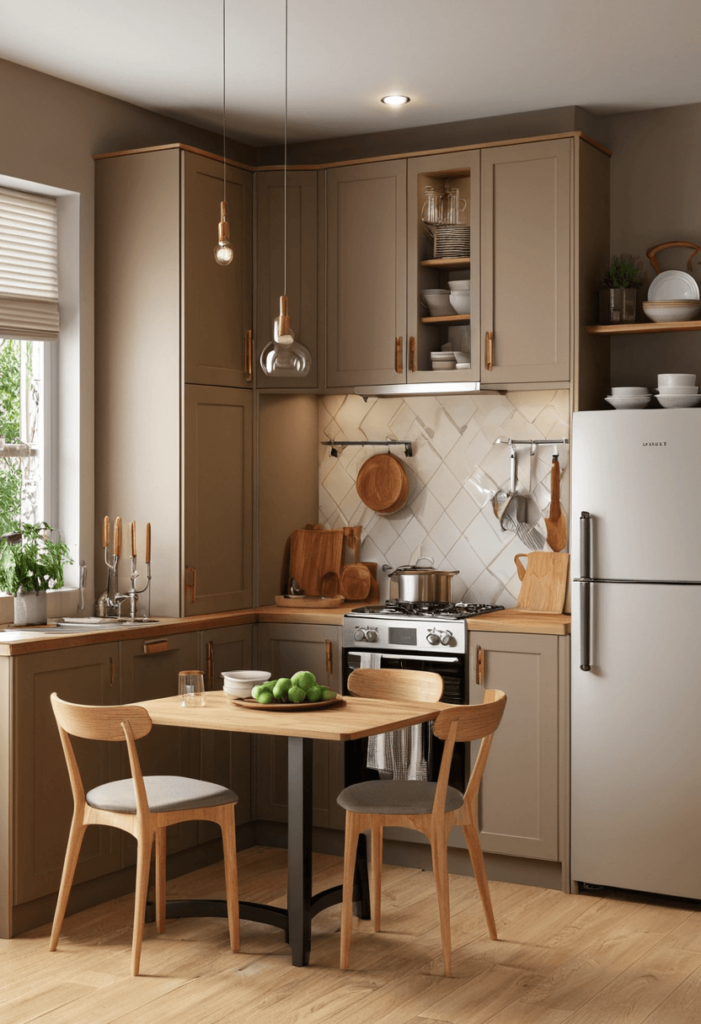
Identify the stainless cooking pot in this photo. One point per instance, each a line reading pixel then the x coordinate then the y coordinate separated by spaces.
pixel 418 583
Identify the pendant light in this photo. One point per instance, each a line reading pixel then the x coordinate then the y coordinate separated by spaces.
pixel 223 250
pixel 283 356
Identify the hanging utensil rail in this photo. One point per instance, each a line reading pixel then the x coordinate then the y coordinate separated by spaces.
pixel 335 445
pixel 513 443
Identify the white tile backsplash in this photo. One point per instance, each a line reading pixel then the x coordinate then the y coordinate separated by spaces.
pixel 454 471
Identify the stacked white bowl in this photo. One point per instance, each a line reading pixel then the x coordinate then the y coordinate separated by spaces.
pixel 240 683
pixel 677 390
pixel 629 397
pixel 443 360
pixel 438 301
pixel 460 296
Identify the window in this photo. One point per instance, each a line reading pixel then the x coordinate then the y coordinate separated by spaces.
pixel 23 470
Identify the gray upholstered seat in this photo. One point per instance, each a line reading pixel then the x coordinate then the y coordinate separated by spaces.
pixel 396 797
pixel 164 793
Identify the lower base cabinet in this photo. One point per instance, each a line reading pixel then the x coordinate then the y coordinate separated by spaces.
pixel 284 649
pixel 523 798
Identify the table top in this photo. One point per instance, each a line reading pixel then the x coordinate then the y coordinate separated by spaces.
pixel 354 718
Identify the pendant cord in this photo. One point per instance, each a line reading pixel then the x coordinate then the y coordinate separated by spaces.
pixel 223 101
pixel 284 241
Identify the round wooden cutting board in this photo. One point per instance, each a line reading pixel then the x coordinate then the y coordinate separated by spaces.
pixel 383 484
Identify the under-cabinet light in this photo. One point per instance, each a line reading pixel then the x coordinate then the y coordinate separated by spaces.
pixel 395 101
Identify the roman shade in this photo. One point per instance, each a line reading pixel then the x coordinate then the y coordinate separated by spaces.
pixel 28 266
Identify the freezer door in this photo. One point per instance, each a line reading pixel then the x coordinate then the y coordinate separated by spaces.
pixel 635 472
pixel 636 740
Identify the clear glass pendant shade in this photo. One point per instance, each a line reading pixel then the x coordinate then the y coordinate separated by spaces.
pixel 283 356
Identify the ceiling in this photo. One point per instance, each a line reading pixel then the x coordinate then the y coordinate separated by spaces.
pixel 457 59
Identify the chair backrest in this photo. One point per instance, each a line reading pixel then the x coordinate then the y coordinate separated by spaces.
pixel 395 684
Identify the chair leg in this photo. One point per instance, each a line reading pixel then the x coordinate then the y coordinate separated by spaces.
pixel 143 864
pixel 475 850
pixel 75 841
pixel 228 833
pixel 376 856
pixel 351 846
pixel 161 880
pixel 439 854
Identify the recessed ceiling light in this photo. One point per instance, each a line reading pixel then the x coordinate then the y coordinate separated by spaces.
pixel 395 101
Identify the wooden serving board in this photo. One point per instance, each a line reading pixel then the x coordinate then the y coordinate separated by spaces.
pixel 313 553
pixel 302 601
pixel 543 581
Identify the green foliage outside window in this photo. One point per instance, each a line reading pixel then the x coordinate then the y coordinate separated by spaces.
pixel 30 561
pixel 10 471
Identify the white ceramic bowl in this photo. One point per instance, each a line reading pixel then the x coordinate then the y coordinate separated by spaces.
pixel 672 310
pixel 459 286
pixel 460 301
pixel 680 390
pixel 438 301
pixel 675 380
pixel 678 401
pixel 628 401
pixel 629 391
pixel 443 354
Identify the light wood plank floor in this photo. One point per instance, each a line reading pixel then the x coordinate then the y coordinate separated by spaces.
pixel 576 959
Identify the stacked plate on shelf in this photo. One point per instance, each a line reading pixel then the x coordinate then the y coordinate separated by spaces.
pixel 629 398
pixel 451 241
pixel 673 296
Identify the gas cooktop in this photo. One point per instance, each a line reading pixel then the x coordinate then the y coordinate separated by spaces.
pixel 426 610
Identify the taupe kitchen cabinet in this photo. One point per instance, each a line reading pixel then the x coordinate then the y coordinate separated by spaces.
pixel 283 649
pixel 366 260
pixel 225 757
pixel 523 798
pixel 169 320
pixel 42 804
pixel 303 266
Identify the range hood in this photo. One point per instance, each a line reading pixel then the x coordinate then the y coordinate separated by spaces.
pixel 471 387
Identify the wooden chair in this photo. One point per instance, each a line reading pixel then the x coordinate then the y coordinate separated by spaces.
pixel 142 806
pixel 433 808
pixel 390 684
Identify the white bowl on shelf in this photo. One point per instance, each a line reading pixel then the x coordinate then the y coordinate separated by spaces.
pixel 680 390
pixel 438 301
pixel 678 401
pixel 675 380
pixel 628 401
pixel 672 310
pixel 459 286
pixel 622 391
pixel 460 301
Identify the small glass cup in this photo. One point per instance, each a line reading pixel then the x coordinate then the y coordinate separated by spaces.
pixel 191 688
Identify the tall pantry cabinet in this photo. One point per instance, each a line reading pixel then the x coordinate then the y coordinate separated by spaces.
pixel 173 405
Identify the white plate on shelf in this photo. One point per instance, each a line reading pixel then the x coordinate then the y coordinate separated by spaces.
pixel 678 401
pixel 673 285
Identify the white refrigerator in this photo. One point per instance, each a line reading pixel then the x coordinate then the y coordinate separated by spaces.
pixel 636 650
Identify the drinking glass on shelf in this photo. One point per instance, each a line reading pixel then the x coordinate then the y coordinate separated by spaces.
pixel 431 212
pixel 191 688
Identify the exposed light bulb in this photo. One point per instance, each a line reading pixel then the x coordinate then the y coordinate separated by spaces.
pixel 395 101
pixel 224 250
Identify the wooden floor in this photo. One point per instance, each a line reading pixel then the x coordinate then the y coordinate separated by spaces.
pixel 580 959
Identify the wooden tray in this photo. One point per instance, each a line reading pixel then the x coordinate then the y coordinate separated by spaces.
pixel 252 704
pixel 302 601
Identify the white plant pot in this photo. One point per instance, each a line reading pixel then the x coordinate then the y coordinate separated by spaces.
pixel 30 608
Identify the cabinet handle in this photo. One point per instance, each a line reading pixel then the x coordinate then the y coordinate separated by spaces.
pixel 412 354
pixel 249 355
pixel 210 664
pixel 399 355
pixel 489 342
pixel 329 657
pixel 480 666
pixel 191 584
pixel 156 646
pixel 111 671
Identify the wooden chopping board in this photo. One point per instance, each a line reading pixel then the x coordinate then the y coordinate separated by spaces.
pixel 313 553
pixel 382 484
pixel 543 581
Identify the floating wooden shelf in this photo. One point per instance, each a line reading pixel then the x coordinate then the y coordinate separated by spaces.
pixel 646 328
pixel 447 319
pixel 448 263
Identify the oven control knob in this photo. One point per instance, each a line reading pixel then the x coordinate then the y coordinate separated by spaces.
pixel 371 636
pixel 433 638
pixel 448 640
pixel 359 634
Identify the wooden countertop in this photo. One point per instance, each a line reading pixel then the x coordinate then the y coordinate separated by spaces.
pixel 52 638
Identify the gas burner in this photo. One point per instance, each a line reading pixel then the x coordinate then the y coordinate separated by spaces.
pixel 428 609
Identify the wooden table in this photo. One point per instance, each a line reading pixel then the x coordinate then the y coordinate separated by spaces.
pixel 354 718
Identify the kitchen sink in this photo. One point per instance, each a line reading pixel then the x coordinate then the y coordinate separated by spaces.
pixel 76 625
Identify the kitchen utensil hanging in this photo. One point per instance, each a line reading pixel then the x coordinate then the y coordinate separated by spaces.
pixel 382 484
pixel 556 524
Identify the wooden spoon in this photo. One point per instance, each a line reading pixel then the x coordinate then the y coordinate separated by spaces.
pixel 556 524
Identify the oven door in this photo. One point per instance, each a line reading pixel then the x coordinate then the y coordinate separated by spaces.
pixel 450 667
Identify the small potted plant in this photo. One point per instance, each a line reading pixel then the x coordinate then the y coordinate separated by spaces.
pixel 30 564
pixel 618 299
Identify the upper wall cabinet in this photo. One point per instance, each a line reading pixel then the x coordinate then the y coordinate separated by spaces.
pixel 526 258
pixel 366 274
pixel 302 263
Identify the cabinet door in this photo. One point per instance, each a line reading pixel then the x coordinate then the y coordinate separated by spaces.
pixel 226 757
pixel 301 266
pixel 527 262
pixel 216 301
pixel 285 649
pixel 217 497
pixel 518 804
pixel 165 751
pixel 366 274
pixel 43 804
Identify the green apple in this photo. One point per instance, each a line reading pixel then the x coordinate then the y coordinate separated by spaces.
pixel 304 679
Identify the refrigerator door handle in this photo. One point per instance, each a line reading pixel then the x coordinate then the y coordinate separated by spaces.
pixel 585 591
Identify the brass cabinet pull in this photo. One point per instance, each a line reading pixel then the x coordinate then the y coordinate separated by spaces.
pixel 412 354
pixel 489 356
pixel 191 584
pixel 399 355
pixel 249 355
pixel 210 664
pixel 480 666
pixel 156 646
pixel 329 657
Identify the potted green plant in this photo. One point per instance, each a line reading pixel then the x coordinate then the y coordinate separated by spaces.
pixel 30 564
pixel 617 300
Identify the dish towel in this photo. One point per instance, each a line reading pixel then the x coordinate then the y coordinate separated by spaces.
pixel 406 753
